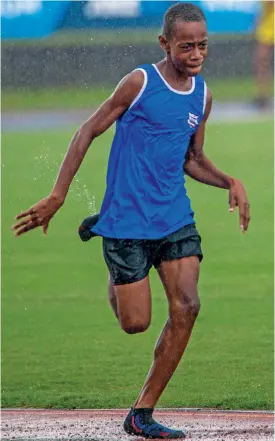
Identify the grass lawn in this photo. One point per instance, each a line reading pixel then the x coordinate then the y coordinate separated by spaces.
pixel 61 345
pixel 76 98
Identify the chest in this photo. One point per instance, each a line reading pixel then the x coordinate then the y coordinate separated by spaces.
pixel 168 111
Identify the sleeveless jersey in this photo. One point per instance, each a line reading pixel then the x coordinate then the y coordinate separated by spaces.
pixel 145 196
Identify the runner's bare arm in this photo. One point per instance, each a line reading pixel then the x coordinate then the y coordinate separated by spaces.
pixel 123 96
pixel 197 165
pixel 200 168
pixel 97 124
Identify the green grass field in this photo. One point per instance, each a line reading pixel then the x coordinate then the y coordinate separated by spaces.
pixel 61 345
pixel 229 89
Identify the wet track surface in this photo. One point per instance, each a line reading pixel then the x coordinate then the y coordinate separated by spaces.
pixel 106 425
pixel 62 119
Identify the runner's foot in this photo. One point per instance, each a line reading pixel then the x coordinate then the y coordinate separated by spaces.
pixel 139 422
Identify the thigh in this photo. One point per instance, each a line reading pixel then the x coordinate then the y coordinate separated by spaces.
pixel 134 302
pixel 129 263
pixel 180 279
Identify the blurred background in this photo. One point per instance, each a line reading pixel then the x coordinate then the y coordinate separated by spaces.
pixel 61 345
pixel 50 46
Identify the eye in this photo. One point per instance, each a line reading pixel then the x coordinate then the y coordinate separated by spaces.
pixel 186 47
pixel 203 45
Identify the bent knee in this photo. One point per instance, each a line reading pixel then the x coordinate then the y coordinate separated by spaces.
pixel 193 307
pixel 186 310
pixel 134 327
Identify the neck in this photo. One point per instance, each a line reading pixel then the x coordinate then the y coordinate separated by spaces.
pixel 170 71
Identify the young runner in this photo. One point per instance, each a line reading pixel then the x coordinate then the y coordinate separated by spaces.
pixel 146 218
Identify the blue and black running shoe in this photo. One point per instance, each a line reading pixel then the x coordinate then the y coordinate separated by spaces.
pixel 139 422
pixel 85 229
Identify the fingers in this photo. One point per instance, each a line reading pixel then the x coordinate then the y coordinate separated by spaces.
pixel 25 221
pixel 45 228
pixel 237 198
pixel 244 215
pixel 28 212
pixel 29 223
pixel 38 215
pixel 232 202
pixel 28 218
pixel 26 227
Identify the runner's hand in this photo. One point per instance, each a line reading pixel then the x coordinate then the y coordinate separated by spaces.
pixel 238 198
pixel 39 215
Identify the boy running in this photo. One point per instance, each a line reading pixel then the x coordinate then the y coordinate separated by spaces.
pixel 146 218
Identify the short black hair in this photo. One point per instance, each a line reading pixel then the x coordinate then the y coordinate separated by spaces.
pixel 180 11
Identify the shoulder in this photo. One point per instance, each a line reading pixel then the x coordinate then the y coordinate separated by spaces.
pixel 132 81
pixel 137 76
pixel 129 87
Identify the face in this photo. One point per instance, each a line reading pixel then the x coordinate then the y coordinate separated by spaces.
pixel 187 47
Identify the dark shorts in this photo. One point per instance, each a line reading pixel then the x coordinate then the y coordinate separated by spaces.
pixel 130 260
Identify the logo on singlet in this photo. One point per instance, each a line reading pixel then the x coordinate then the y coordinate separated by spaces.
pixel 193 120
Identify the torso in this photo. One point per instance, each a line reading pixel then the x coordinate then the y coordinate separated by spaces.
pixel 145 196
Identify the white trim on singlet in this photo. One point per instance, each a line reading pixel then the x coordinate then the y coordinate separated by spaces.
pixel 175 90
pixel 204 98
pixel 145 81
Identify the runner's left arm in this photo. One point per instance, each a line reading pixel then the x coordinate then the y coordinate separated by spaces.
pixel 41 213
pixel 201 169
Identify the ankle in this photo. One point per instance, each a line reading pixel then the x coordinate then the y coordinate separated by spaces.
pixel 143 406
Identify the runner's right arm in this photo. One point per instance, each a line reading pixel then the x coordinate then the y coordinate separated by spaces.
pixel 200 168
pixel 41 213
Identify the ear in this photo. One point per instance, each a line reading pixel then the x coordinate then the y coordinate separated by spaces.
pixel 164 43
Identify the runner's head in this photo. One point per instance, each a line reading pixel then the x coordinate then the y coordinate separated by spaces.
pixel 184 37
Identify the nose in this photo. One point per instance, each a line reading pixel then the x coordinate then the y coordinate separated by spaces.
pixel 196 54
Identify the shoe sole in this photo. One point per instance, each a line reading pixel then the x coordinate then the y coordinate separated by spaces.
pixel 131 431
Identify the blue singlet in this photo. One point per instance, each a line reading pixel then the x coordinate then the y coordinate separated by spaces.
pixel 145 196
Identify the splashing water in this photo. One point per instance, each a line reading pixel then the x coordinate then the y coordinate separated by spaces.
pixel 83 192
pixel 78 190
pixel 90 201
